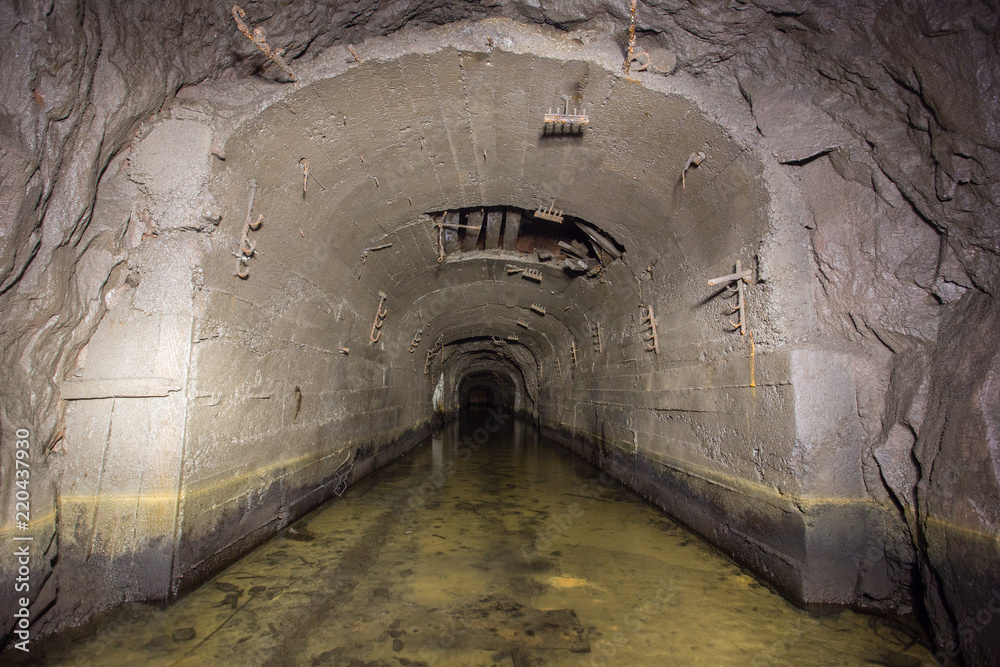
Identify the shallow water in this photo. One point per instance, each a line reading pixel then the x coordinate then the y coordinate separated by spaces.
pixel 517 553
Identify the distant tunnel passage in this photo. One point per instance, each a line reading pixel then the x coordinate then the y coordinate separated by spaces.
pixel 487 390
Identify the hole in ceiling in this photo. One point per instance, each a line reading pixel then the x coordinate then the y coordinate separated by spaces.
pixel 580 245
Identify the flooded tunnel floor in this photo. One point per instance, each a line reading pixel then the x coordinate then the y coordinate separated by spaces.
pixel 519 553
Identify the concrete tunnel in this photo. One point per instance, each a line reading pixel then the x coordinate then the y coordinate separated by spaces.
pixel 225 276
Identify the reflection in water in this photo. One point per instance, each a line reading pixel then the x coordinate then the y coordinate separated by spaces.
pixel 484 546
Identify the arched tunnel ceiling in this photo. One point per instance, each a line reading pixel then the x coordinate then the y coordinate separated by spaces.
pixel 391 139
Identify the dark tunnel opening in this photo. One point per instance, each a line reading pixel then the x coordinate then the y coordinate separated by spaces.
pixel 484 391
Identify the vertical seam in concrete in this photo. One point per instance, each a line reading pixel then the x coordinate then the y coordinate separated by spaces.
pixel 291 157
pixel 409 97
pixel 444 123
pixel 472 133
pixel 364 166
pixel 611 89
pixel 100 481
pixel 322 144
pixel 527 118
pixel 138 497
pixel 179 505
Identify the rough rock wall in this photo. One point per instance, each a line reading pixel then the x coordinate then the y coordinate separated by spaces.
pixel 958 490
pixel 915 257
pixel 914 84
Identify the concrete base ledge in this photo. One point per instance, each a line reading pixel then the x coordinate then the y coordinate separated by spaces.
pixel 810 551
pixel 307 495
pixel 99 581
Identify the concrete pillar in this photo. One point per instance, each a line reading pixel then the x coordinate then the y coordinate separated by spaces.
pixel 472 235
pixel 512 228
pixel 494 218
pixel 125 435
pixel 451 234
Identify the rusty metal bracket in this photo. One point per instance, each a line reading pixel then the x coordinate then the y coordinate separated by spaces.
pixel 631 40
pixel 693 160
pixel 433 352
pixel 739 277
pixel 564 121
pixel 242 269
pixel 441 225
pixel 247 248
pixel 416 341
pixel 595 333
pixel 651 336
pixel 259 40
pixel 380 314
pixel 550 213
